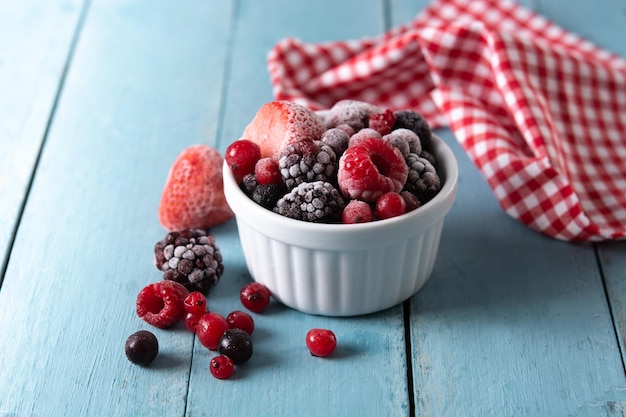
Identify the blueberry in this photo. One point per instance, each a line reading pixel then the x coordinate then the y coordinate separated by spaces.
pixel 142 347
pixel 237 345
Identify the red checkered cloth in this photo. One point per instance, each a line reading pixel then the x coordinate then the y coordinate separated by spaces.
pixel 539 110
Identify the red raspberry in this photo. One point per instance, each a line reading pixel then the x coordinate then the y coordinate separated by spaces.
pixel 382 122
pixel 255 297
pixel 241 320
pixel 370 169
pixel 210 329
pixel 357 211
pixel 241 156
pixel 222 367
pixel 390 205
pixel 321 342
pixel 161 303
pixel 267 172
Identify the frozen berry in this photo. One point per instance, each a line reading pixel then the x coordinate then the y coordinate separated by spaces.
pixel 411 200
pixel 423 180
pixel 237 345
pixel 337 139
pixel 241 320
pixel 414 121
pixel 346 128
pixel 389 205
pixel 412 141
pixel 222 367
pixel 382 122
pixel 195 303
pixel 161 303
pixel 265 195
pixel 363 135
pixel 141 347
pixel 210 329
pixel 306 161
pixel 191 321
pixel 357 211
pixel 193 195
pixel 242 156
pixel 317 202
pixel 350 112
pixel 255 297
pixel 321 342
pixel 190 257
pixel 370 169
pixel 267 172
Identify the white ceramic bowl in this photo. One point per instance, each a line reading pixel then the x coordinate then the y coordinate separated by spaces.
pixel 344 269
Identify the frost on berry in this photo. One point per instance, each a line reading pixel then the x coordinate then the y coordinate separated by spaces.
pixel 363 135
pixel 306 161
pixel 353 113
pixel 337 139
pixel 357 211
pixel 318 202
pixel 382 122
pixel 422 180
pixel 409 119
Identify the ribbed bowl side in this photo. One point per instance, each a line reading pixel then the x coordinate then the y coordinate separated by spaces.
pixel 340 283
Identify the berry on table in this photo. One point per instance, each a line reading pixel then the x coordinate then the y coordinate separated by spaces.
pixel 242 156
pixel 210 329
pixel 141 347
pixel 190 257
pixel 255 297
pixel 241 320
pixel 221 367
pixel 317 202
pixel 191 321
pixel 357 211
pixel 195 303
pixel 390 205
pixel 161 303
pixel 321 342
pixel 237 345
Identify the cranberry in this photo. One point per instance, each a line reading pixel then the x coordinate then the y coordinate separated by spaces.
pixel 255 297
pixel 321 342
pixel 241 320
pixel 221 367
pixel 191 321
pixel 195 303
pixel 242 156
pixel 210 329
pixel 390 205
pixel 267 172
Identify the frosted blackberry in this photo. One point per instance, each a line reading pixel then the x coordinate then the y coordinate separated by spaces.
pixel 191 258
pixel 317 202
pixel 423 180
pixel 306 161
pixel 414 121
pixel 413 142
pixel 265 195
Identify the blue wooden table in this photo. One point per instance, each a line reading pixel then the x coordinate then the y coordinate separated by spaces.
pixel 97 97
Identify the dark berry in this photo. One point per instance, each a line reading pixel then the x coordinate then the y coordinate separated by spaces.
pixel 190 257
pixel 195 303
pixel 221 367
pixel 306 161
pixel 362 136
pixel 321 342
pixel 241 320
pixel 413 142
pixel 255 297
pixel 409 119
pixel 382 122
pixel 350 112
pixel 317 202
pixel 237 345
pixel 357 211
pixel 241 156
pixel 422 180
pixel 210 329
pixel 161 303
pixel 142 347
pixel 267 195
pixel 411 200
pixel 337 139
pixel 390 205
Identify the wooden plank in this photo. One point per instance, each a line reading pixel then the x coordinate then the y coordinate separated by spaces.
pixel 367 376
pixel 145 82
pixel 35 43
pixel 613 260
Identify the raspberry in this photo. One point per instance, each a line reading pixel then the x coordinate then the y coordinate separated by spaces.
pixel 195 303
pixel 414 121
pixel 409 137
pixel 267 172
pixel 306 161
pixel 190 257
pixel 161 303
pixel 363 135
pixel 390 205
pixel 255 297
pixel 370 169
pixel 422 180
pixel 141 347
pixel 350 112
pixel 382 122
pixel 357 211
pixel 193 195
pixel 222 367
pixel 242 156
pixel 321 342
pixel 411 201
pixel 241 320
pixel 237 345
pixel 337 139
pixel 318 202
pixel 210 329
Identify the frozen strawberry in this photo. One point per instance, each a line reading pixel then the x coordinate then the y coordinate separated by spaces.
pixel 280 123
pixel 193 196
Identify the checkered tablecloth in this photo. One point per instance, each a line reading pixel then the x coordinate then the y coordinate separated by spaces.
pixel 539 110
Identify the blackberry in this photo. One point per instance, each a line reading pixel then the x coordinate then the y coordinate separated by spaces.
pixel 265 195
pixel 337 139
pixel 317 202
pixel 409 119
pixel 350 112
pixel 306 161
pixel 412 140
pixel 191 258
pixel 423 180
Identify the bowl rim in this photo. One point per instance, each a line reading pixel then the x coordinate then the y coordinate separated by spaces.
pixel 338 236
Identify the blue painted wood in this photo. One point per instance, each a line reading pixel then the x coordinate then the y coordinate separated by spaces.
pixel 35 43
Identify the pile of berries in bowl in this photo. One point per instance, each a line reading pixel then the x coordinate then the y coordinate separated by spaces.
pixel 339 212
